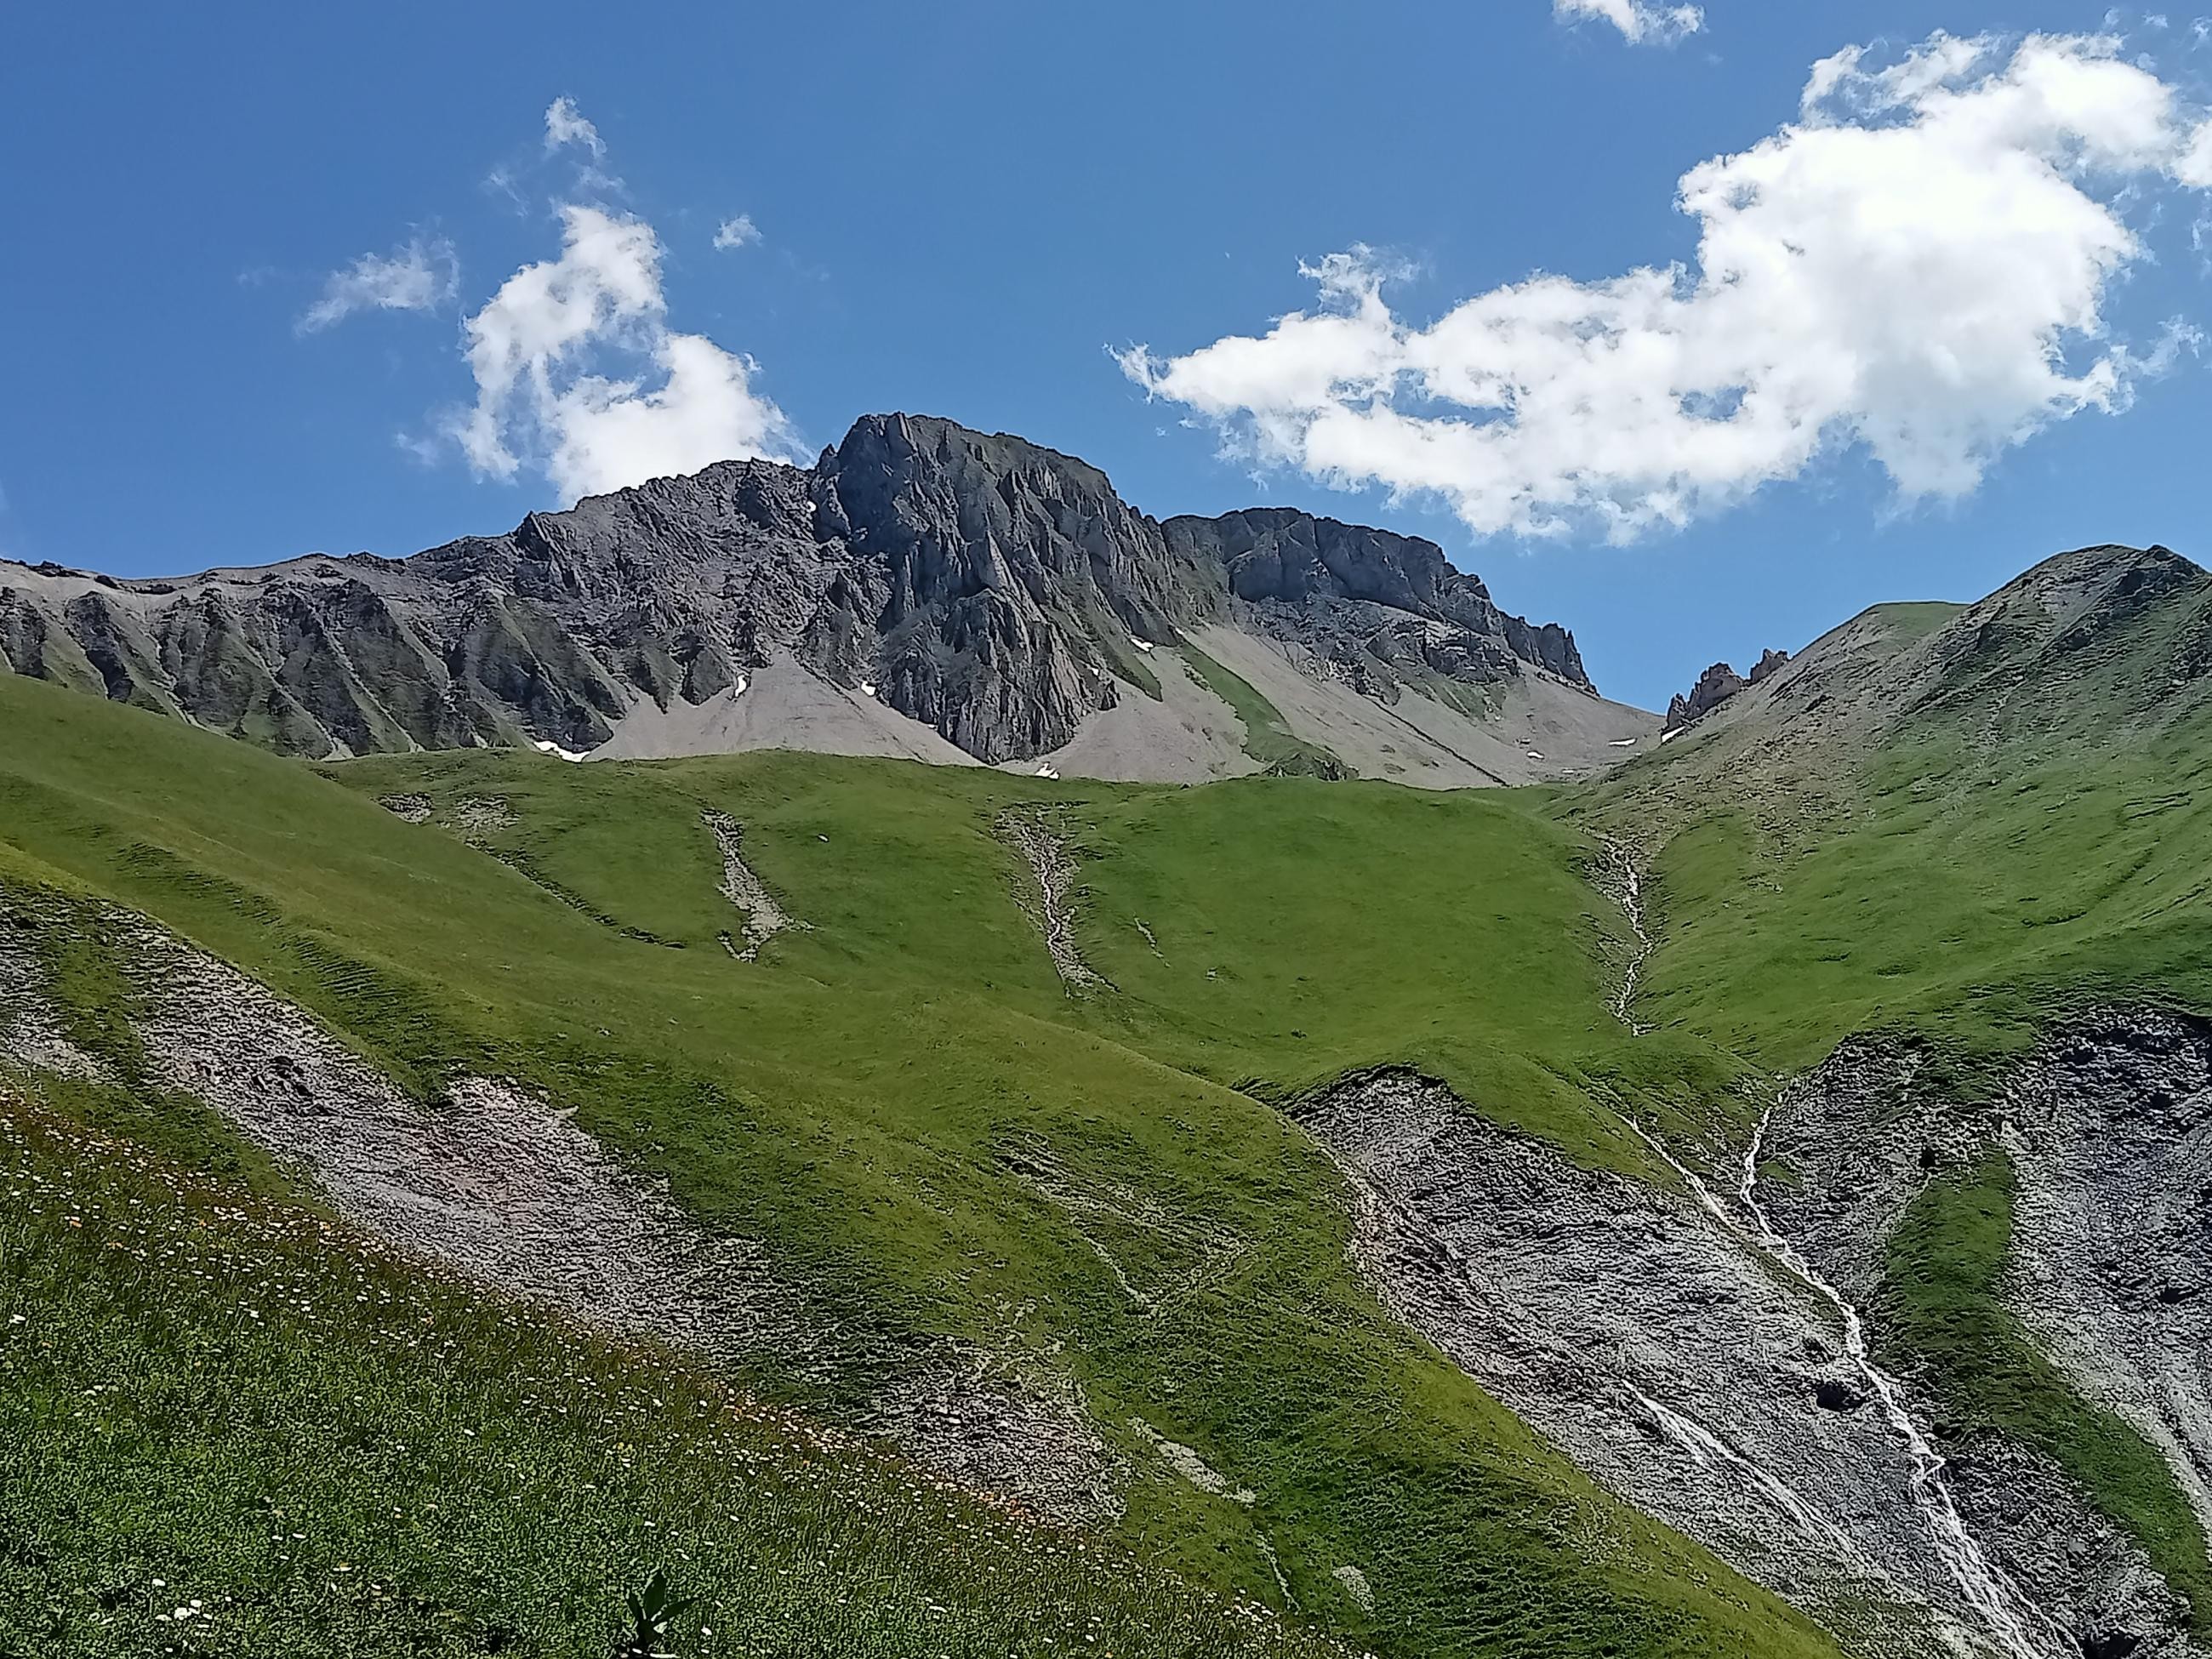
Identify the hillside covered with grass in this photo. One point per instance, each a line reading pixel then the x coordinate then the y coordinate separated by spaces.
pixel 960 1107
pixel 937 1139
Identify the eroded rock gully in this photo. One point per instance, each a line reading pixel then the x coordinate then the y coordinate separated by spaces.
pixel 1050 898
pixel 2109 1127
pixel 1683 1347
pixel 497 1182
pixel 764 918
pixel 1631 1327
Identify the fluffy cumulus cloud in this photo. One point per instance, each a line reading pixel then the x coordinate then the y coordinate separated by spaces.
pixel 579 375
pixel 419 277
pixel 1920 264
pixel 1637 20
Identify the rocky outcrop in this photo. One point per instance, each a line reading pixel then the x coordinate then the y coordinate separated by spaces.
pixel 1379 610
pixel 1643 1332
pixel 995 591
pixel 2109 1127
pixel 1685 1345
pixel 1715 686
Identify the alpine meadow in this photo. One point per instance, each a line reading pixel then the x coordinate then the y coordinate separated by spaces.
pixel 864 1050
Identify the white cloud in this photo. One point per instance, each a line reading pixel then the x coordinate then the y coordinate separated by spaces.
pixel 420 276
pixel 1640 20
pixel 1919 265
pixel 565 125
pixel 740 232
pixel 543 350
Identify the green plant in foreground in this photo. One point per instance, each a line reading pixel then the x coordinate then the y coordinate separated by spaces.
pixel 653 1608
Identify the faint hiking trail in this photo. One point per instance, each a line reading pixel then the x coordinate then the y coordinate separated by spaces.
pixel 1028 829
pixel 2005 1613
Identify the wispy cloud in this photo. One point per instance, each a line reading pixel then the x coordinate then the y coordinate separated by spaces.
pixel 579 375
pixel 565 125
pixel 420 276
pixel 1919 265
pixel 740 232
pixel 1640 21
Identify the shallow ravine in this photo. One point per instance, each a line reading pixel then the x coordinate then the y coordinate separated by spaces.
pixel 2104 1240
pixel 1636 1331
pixel 1997 1610
pixel 2014 1620
pixel 2008 1617
pixel 1050 902
pixel 764 918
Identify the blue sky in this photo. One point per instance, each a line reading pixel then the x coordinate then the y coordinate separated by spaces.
pixel 967 209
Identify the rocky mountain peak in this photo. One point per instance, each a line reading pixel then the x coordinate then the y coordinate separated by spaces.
pixel 994 590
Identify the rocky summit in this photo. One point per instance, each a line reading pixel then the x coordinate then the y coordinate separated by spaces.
pixel 922 589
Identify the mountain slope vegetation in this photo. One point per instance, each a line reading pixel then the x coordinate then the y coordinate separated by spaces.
pixel 940 1143
pixel 1012 1078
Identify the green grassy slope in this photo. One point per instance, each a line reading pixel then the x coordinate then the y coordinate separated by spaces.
pixel 863 1096
pixel 1943 1307
pixel 2006 824
pixel 1268 736
pixel 229 1430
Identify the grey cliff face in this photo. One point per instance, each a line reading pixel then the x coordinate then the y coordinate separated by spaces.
pixel 996 591
pixel 1380 609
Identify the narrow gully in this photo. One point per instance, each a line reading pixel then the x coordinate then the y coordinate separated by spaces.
pixel 2004 1611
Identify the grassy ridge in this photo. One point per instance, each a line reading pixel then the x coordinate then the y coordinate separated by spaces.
pixel 865 1095
pixel 2026 840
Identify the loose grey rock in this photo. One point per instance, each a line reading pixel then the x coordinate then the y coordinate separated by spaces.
pixel 764 917
pixel 1049 894
pixel 1649 1340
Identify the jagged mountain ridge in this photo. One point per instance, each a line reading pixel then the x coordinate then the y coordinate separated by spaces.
pixel 994 591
